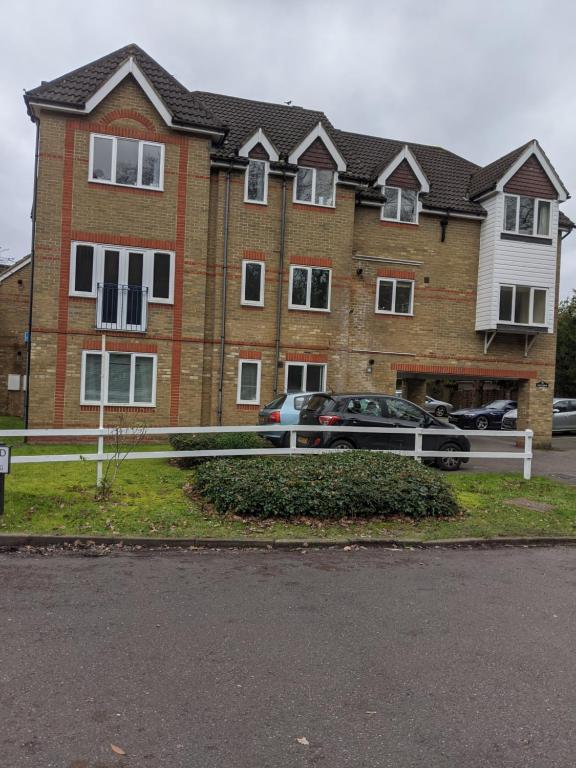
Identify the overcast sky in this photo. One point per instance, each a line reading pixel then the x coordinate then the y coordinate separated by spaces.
pixel 477 78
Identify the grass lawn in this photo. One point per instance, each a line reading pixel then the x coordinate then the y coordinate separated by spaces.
pixel 148 500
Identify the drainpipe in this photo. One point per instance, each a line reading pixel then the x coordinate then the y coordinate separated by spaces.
pixel 280 283
pixel 223 297
pixel 32 263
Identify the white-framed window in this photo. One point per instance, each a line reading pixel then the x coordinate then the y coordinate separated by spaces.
pixel 92 264
pixel 315 186
pixel 401 205
pixel 127 162
pixel 305 377
pixel 256 182
pixel 310 288
pixel 129 378
pixel 248 392
pixel 253 273
pixel 522 305
pixel 527 216
pixel 394 296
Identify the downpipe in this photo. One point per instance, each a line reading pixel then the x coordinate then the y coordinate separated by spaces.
pixel 223 299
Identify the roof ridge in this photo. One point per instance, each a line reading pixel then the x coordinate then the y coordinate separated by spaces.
pixel 258 101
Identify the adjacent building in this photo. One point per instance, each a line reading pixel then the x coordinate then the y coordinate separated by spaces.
pixel 14 318
pixel 232 249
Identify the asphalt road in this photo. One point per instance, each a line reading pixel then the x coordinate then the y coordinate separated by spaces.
pixel 372 658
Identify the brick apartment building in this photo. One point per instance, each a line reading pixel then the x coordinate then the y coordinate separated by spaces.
pixel 14 314
pixel 232 249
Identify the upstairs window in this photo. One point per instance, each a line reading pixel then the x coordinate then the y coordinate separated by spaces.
pixel 310 288
pixel 394 297
pixel 522 305
pixel 127 162
pixel 315 186
pixel 256 182
pixel 527 216
pixel 253 283
pixel 400 205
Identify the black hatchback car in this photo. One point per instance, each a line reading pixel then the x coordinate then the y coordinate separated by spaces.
pixel 373 410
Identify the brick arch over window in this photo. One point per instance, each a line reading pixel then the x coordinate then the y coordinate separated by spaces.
pixel 403 176
pixel 317 156
pixel 531 180
pixel 258 153
pixel 128 114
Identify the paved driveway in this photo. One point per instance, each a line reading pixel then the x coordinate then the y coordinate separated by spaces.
pixel 558 463
pixel 369 658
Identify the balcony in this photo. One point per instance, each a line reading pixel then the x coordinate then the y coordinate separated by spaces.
pixel 121 307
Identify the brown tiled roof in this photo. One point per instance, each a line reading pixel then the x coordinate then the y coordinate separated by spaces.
pixel 75 88
pixel 486 178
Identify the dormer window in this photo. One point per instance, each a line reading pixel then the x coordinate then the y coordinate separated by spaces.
pixel 256 184
pixel 315 185
pixel 400 205
pixel 526 216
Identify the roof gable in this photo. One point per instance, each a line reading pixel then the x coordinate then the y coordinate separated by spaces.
pixel 405 157
pixel 318 132
pixel 258 138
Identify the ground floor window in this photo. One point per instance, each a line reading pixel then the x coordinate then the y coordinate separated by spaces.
pixel 248 382
pixel 394 297
pixel 305 377
pixel 522 305
pixel 129 379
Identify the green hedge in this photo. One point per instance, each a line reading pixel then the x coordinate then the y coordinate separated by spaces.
pixel 343 484
pixel 221 441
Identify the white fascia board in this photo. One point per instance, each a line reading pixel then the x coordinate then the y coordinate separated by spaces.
pixel 15 268
pixel 259 138
pixel 405 154
pixel 318 133
pixel 536 150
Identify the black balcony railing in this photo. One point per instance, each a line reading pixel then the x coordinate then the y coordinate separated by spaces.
pixel 121 307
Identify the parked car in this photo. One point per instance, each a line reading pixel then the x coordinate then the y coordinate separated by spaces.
pixel 563 416
pixel 486 417
pixel 374 410
pixel 284 409
pixel 438 407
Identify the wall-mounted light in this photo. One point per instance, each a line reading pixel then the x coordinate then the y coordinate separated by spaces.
pixel 370 366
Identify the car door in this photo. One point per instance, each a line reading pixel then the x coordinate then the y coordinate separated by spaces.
pixel 367 411
pixel 404 415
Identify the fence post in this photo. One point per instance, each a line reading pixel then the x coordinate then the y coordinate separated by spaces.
pixel 528 435
pixel 101 409
pixel 418 444
pixel 292 441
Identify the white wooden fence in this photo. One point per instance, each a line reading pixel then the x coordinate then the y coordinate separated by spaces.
pixel 418 453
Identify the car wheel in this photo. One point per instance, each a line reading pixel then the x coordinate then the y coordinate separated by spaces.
pixel 449 463
pixel 341 444
pixel 481 422
pixel 440 411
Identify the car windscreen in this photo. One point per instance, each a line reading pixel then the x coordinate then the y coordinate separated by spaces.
pixel 277 403
pixel 319 402
pixel 497 404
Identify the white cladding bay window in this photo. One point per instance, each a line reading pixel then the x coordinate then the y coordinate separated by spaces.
pixel 305 377
pixel 248 392
pixel 127 162
pixel 315 186
pixel 129 378
pixel 256 182
pixel 310 288
pixel 526 216
pixel 253 283
pixel 92 264
pixel 522 305
pixel 394 296
pixel 401 205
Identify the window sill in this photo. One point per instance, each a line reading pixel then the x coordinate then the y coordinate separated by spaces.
pixel 308 309
pixel 246 305
pixel 537 239
pixel 256 202
pixel 397 223
pixel 393 314
pixel 317 206
pixel 132 187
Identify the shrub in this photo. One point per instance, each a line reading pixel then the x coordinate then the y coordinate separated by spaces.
pixel 343 484
pixel 220 441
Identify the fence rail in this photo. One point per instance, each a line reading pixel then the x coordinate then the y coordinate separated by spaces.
pixel 417 452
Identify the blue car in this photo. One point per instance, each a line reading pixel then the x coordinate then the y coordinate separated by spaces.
pixel 285 409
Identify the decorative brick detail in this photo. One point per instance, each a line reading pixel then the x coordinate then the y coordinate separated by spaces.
pixel 254 255
pixel 452 370
pixel 402 274
pixel 250 354
pixel 119 346
pixel 107 238
pixel 310 261
pixel 302 357
pixel 247 407
pixel 128 114
pixel 127 133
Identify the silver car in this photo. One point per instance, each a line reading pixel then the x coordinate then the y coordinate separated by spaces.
pixel 563 416
pixel 438 407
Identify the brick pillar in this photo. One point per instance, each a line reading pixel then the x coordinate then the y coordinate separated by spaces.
pixel 415 391
pixel 535 411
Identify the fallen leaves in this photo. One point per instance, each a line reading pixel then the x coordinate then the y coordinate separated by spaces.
pixel 117 750
pixel 303 740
